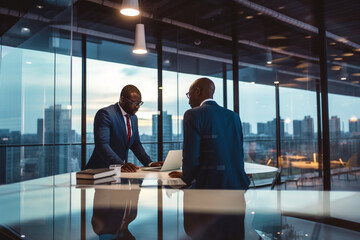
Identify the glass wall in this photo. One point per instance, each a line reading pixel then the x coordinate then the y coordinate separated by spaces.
pixel 105 80
pixel 36 82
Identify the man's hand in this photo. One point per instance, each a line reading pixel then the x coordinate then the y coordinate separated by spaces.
pixel 175 174
pixel 129 167
pixel 156 164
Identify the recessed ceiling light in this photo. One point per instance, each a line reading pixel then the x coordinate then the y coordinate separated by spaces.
pixel 276 82
pixel 25 30
pixel 249 17
pixel 302 65
pixel 356 74
pixel 343 78
pixel 269 62
pixel 28 62
pixel 336 68
pixel 355 81
pixel 357 49
pixel 281 7
pixel 259 13
pixel 342 40
pixel 276 37
pixel 332 43
pixel 333 55
pixel 338 59
pixel 308 36
pixel 40 6
pixel 348 54
pixel 302 79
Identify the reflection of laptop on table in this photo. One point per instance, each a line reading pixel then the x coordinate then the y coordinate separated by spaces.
pixel 173 161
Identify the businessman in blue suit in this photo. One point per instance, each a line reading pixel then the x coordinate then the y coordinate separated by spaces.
pixel 213 155
pixel 116 131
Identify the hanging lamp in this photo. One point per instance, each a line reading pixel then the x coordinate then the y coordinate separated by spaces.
pixel 130 8
pixel 140 43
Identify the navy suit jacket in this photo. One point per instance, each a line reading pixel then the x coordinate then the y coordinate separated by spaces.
pixel 110 134
pixel 213 155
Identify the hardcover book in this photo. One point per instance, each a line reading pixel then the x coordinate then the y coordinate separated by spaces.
pixel 95 173
pixel 80 181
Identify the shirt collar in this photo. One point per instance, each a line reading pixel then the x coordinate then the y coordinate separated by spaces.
pixel 122 110
pixel 207 100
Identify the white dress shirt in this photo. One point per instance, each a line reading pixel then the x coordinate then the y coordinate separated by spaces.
pixel 206 100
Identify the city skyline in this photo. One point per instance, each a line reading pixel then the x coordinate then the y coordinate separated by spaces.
pixel 21 113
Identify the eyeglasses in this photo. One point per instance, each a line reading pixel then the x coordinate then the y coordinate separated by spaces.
pixel 188 94
pixel 138 104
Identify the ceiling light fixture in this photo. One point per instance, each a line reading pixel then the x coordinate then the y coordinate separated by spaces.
pixel 269 57
pixel 130 8
pixel 140 43
pixel 343 73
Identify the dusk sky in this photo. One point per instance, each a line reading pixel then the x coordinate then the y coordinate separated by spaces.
pixel 27 87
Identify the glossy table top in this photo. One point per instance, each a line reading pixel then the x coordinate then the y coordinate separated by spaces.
pixel 129 210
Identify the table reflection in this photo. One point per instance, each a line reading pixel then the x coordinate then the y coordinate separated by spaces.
pixel 212 224
pixel 113 211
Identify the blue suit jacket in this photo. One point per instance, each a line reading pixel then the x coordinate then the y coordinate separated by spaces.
pixel 110 134
pixel 213 155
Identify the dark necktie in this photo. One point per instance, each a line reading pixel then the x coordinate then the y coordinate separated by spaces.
pixel 128 127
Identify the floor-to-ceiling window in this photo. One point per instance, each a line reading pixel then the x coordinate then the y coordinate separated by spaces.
pixel 107 75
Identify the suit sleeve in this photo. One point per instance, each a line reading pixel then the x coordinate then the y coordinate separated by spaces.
pixel 191 147
pixel 102 128
pixel 138 149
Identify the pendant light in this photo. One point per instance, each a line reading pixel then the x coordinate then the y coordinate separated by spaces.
pixel 130 8
pixel 140 44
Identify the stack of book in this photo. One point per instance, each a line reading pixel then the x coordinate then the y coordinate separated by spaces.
pixel 95 176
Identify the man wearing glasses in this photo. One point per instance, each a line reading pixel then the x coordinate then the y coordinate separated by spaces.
pixel 213 156
pixel 116 131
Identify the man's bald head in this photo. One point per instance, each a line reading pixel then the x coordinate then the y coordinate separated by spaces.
pixel 206 86
pixel 201 89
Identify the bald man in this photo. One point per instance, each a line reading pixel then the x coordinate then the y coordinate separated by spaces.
pixel 213 155
pixel 116 131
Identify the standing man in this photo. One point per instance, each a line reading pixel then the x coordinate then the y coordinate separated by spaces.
pixel 116 131
pixel 213 155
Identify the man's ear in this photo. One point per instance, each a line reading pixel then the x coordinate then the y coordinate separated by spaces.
pixel 197 91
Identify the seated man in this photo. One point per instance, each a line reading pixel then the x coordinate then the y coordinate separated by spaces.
pixel 116 131
pixel 213 155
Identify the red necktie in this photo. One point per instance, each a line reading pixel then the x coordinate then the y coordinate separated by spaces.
pixel 128 127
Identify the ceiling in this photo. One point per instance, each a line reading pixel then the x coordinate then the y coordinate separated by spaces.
pixel 197 35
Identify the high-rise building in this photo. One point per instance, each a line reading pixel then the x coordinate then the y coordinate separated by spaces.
pixel 261 128
pixel 57 131
pixel 307 127
pixel 40 130
pixel 297 128
pixel 246 127
pixel 354 127
pixel 4 140
pixel 167 134
pixel 10 156
pixel 334 126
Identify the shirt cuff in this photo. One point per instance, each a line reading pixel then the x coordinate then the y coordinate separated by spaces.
pixel 149 165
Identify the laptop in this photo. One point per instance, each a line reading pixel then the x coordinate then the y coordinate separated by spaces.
pixel 173 161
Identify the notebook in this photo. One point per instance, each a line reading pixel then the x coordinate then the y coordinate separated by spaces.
pixel 173 161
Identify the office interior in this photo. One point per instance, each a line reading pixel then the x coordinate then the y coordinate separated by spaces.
pixel 290 69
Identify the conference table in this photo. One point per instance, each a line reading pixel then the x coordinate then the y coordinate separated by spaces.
pixel 136 206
